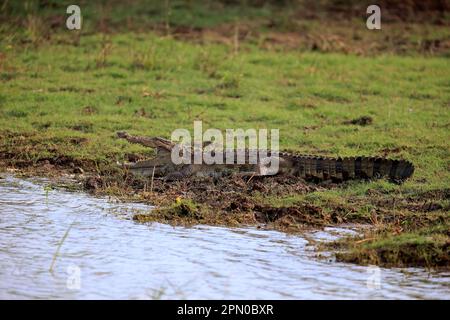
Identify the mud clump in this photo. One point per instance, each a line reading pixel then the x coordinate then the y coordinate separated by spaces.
pixel 180 209
pixel 93 183
pixel 229 200
pixel 361 121
pixel 301 213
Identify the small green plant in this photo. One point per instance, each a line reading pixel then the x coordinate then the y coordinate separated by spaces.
pixel 144 60
pixel 101 60
pixel 47 190
pixel 35 28
pixel 183 208
pixel 230 81
pixel 207 63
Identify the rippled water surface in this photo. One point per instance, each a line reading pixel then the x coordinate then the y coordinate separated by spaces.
pixel 57 244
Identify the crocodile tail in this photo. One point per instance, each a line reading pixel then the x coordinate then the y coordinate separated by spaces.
pixel 349 168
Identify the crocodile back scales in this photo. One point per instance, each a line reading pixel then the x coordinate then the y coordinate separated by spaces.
pixel 347 168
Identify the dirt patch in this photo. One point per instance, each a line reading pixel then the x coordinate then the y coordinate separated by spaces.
pixel 361 121
pixel 231 194
pixel 306 214
pixel 89 110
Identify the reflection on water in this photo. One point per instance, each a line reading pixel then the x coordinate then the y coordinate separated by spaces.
pixel 106 255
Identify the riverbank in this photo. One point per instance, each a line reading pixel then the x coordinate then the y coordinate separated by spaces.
pixel 405 230
pixel 64 95
pixel 72 234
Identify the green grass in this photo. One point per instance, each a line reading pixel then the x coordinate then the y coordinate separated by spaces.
pixel 307 96
pixel 425 247
pixel 64 98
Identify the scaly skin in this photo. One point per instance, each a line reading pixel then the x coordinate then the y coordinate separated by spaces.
pixel 308 167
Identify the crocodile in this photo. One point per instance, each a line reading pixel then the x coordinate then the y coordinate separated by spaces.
pixel 307 167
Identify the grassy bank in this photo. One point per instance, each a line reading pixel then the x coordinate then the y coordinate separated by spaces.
pixel 63 96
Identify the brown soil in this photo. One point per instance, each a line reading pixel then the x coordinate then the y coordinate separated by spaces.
pixel 328 36
pixel 361 121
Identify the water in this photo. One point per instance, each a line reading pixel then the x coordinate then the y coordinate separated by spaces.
pixel 107 255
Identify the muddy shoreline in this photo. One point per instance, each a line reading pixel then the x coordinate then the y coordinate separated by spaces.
pixel 202 262
pixel 237 201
